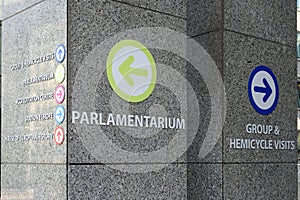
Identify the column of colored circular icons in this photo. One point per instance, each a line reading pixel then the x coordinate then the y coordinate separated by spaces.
pixel 59 75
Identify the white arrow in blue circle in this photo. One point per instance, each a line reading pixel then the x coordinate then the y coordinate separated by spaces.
pixel 59 114
pixel 60 53
pixel 263 90
pixel 267 90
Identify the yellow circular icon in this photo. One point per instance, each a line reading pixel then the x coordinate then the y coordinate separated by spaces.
pixel 59 74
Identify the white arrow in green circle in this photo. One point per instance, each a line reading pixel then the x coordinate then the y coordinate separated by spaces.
pixel 131 70
pixel 127 71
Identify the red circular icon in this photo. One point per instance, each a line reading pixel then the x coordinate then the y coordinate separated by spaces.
pixel 60 94
pixel 59 135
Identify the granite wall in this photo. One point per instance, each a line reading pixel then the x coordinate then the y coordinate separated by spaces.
pixel 195 57
pixel 33 166
pixel 251 34
pixel 238 36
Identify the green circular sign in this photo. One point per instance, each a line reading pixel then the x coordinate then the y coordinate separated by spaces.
pixel 59 73
pixel 131 70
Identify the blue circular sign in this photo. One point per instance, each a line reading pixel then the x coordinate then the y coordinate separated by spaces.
pixel 263 90
pixel 60 53
pixel 59 114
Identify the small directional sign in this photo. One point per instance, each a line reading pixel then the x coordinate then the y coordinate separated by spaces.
pixel 59 135
pixel 60 53
pixel 263 90
pixel 59 73
pixel 59 114
pixel 59 94
pixel 131 70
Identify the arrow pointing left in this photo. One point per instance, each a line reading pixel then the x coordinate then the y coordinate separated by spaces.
pixel 128 71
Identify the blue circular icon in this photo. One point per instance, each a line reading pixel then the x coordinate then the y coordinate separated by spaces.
pixel 263 90
pixel 59 114
pixel 60 53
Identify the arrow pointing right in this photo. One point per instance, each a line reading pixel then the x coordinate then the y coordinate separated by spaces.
pixel 59 94
pixel 59 113
pixel 267 90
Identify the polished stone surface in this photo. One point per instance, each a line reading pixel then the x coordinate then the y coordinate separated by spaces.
pixel 204 16
pixel 212 44
pixel 176 181
pixel 241 55
pixel 104 182
pixel 85 56
pixel 31 181
pixel 204 181
pixel 260 181
pixel 176 8
pixel 270 20
pixel 49 31
pixel 9 7
pixel 109 162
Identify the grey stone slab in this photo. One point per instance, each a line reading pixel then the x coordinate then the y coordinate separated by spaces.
pixel 10 8
pixel 212 42
pixel 87 29
pixel 21 181
pixel 241 55
pixel 204 181
pixel 33 33
pixel 105 182
pixel 84 42
pixel 271 20
pixel 204 16
pixel 92 22
pixel 77 151
pixel 260 181
pixel 82 147
pixel 176 8
pixel 87 138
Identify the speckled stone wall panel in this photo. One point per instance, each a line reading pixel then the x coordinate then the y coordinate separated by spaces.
pixel 212 44
pixel 160 101
pixel 176 8
pixel 204 16
pixel 260 181
pixel 204 181
pixel 91 22
pixel 103 182
pixel 86 36
pixel 270 20
pixel 33 33
pixel 21 181
pixel 10 8
pixel 241 55
pixel 108 175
